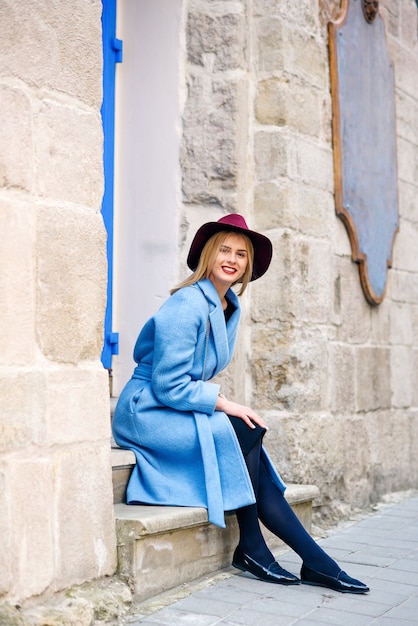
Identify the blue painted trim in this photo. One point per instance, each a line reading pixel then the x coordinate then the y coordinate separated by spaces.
pixel 112 54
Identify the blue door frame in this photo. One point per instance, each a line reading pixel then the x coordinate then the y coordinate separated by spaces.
pixel 112 54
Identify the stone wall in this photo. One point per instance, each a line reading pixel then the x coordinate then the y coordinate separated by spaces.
pixel 56 514
pixel 336 378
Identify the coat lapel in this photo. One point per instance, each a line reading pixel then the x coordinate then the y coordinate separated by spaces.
pixel 224 342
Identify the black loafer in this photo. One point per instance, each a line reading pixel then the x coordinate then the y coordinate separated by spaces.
pixel 272 574
pixel 342 582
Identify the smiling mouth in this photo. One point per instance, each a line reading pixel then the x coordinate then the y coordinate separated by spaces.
pixel 228 270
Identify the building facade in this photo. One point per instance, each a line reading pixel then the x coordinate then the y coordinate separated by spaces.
pixel 219 107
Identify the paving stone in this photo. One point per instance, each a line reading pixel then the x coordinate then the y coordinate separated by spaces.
pixel 240 599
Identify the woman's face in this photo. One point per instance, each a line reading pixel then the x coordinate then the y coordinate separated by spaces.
pixel 230 262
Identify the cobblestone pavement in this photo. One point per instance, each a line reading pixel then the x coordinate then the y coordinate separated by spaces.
pixel 380 549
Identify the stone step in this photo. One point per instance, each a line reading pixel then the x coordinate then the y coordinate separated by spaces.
pixel 162 547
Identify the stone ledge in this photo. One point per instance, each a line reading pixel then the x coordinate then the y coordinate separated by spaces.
pixel 162 547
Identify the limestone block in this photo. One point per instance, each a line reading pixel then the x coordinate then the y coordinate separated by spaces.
pixel 214 140
pixel 373 378
pixel 380 317
pixel 71 284
pixel 30 496
pixel 54 45
pixel 401 363
pixel 342 378
pixel 221 37
pixel 401 330
pixel 413 432
pixel 357 462
pixel 404 255
pixel 316 450
pixel 275 303
pixel 294 104
pixel 290 374
pixel 405 62
pixel 272 205
pixel 6 555
pixel 270 155
pixel 414 315
pixel 407 165
pixel 78 403
pixel 390 13
pixel 408 206
pixel 70 611
pixel 269 51
pixel 409 25
pixel 69 144
pixel 84 513
pixel 311 279
pixel 353 310
pixel 17 262
pixel 16 145
pixel 303 12
pixel 406 114
pixel 305 56
pixel 392 455
pixel 23 408
pixel 310 163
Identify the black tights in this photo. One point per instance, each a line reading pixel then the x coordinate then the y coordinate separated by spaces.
pixel 276 514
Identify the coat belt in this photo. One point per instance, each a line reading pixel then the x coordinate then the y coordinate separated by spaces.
pixel 143 371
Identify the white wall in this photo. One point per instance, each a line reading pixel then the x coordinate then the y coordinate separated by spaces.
pixel 146 168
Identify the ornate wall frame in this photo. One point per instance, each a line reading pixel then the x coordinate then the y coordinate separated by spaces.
pixel 364 138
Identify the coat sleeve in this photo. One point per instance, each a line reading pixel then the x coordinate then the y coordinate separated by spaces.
pixel 180 328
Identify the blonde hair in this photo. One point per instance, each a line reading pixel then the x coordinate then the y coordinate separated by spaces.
pixel 208 256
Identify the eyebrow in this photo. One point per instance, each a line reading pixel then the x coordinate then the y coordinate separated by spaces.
pixel 229 248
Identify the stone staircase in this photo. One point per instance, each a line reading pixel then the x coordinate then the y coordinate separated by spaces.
pixel 161 547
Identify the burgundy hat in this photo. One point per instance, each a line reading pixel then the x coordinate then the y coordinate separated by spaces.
pixel 234 222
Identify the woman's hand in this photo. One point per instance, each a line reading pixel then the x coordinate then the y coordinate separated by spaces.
pixel 238 410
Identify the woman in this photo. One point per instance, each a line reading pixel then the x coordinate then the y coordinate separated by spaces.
pixel 193 446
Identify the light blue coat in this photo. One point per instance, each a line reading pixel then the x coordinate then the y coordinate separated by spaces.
pixel 187 453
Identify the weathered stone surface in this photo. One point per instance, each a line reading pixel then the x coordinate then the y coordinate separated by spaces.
pixel 11 616
pixel 57 46
pixel 74 612
pixel 301 207
pixel 282 103
pixel 342 376
pixel 354 325
pixel 213 149
pixel 6 555
pixel 30 490
pixel 373 378
pixel 163 547
pixel 17 302
pixel 16 143
pixel 402 377
pixel 84 513
pixel 22 418
pixel 77 400
pixel 52 299
pixel 71 284
pixel 73 175
pixel 310 163
pixel 221 38
pixel 269 51
pixel 110 598
pixel 270 155
pixel 304 12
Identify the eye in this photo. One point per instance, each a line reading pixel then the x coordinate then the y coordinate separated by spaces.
pixel 224 249
pixel 242 255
